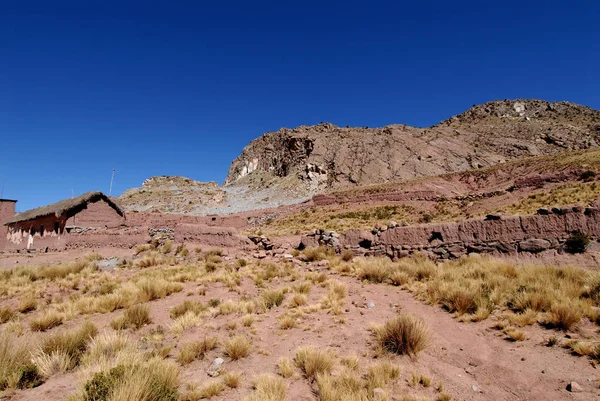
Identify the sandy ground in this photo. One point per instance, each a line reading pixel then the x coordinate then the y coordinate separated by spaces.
pixel 474 361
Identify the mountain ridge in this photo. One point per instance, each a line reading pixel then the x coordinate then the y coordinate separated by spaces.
pixel 292 164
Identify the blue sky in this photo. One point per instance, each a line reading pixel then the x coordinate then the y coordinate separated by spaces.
pixel 180 87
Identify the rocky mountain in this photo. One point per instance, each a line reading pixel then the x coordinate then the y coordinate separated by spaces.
pixel 331 156
pixel 291 165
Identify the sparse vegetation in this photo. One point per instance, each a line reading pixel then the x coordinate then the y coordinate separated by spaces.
pixel 314 361
pixel 237 347
pixel 134 317
pixel 405 334
pixel 196 350
pixel 268 388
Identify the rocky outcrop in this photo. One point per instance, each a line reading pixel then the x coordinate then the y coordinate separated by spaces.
pixel 331 156
pixel 549 229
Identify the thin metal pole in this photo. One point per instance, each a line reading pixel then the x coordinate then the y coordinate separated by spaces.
pixel 111 181
pixel 2 190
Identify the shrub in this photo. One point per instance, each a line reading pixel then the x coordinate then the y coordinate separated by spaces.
pixel 406 334
pixel 577 242
pixel 588 175
pixel 314 361
pixel 237 347
pixel 135 317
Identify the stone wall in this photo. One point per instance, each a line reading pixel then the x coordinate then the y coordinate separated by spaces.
pixel 548 229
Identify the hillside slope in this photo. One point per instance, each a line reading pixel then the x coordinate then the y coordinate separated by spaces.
pixel 291 165
pixel 330 156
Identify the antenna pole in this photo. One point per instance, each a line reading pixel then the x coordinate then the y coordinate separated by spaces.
pixel 2 190
pixel 111 181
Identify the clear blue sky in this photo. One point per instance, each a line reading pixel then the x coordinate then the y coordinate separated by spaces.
pixel 180 87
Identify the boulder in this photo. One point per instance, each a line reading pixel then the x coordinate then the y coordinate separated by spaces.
pixel 534 245
pixel 574 387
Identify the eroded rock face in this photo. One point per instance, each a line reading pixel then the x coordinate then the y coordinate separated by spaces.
pixel 501 234
pixel 333 156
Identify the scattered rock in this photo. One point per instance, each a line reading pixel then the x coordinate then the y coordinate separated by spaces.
pixel 574 387
pixel 370 305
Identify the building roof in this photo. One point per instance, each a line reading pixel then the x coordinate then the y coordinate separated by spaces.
pixel 66 205
pixel 7 200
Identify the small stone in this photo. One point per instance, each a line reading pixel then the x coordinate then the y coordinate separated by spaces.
pixel 218 362
pixel 522 359
pixel 379 394
pixel 370 305
pixel 474 387
pixel 288 256
pixel 574 387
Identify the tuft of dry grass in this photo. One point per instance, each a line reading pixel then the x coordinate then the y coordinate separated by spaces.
pixel 298 300
pixel 302 288
pixel 314 361
pixel 247 320
pixel 381 373
pixel 375 270
pixel 187 306
pixel 154 379
pixel 28 303
pixel 196 350
pixel 16 369
pixel 564 315
pixel 135 317
pixel 63 351
pixel 190 319
pixel 515 334
pixel 268 388
pixel 149 290
pixel 405 334
pixel 6 314
pixel 232 380
pixel 212 389
pixel 286 368
pixel 287 322
pixel 47 320
pixel 237 347
pixel 272 298
pixel 315 254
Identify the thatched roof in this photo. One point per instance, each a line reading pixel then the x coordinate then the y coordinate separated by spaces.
pixel 66 205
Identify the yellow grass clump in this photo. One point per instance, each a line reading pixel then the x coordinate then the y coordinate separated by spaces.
pixel 405 334
pixel 268 388
pixel 237 347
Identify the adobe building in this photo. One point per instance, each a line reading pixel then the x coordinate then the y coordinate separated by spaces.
pixel 7 210
pixel 49 226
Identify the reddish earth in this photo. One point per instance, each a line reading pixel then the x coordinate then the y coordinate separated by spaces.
pixel 474 361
